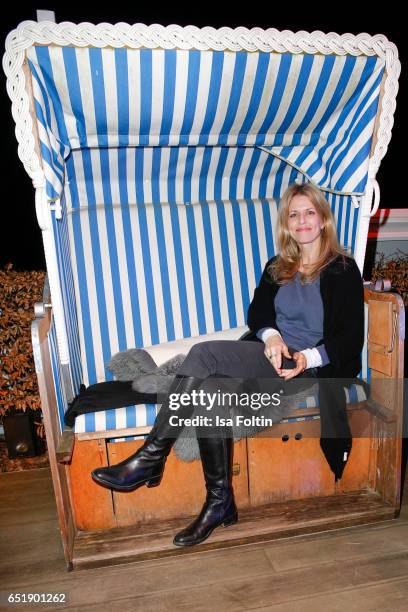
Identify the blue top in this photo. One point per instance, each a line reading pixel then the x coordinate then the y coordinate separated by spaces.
pixel 299 315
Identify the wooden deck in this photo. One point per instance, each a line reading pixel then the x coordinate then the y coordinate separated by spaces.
pixel 360 568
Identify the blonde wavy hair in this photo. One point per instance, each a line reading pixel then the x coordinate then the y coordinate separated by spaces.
pixel 285 266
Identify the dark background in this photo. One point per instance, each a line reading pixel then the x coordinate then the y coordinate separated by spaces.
pixel 21 241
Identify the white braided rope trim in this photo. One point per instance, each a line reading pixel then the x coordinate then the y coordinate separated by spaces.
pixel 155 36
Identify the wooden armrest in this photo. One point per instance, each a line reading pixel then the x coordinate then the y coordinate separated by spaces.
pixel 375 408
pixel 380 411
pixel 63 443
pixel 65 446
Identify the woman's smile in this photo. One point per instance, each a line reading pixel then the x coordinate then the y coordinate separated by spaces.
pixel 304 222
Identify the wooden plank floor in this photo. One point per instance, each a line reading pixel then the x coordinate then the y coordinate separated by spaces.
pixel 361 568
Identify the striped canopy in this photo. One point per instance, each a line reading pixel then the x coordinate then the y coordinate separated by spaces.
pixel 314 112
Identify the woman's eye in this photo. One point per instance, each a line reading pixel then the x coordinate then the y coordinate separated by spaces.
pixel 311 212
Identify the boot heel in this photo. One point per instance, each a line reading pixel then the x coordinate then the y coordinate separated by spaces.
pixel 230 521
pixel 154 482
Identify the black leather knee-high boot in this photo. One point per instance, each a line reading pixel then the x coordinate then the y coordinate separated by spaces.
pixel 219 508
pixel 146 466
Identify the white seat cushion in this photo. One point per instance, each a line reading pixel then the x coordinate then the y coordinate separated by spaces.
pixel 164 351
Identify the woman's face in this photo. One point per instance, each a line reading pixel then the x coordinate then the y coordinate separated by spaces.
pixel 304 222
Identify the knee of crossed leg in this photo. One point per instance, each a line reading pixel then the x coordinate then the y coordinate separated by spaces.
pixel 200 361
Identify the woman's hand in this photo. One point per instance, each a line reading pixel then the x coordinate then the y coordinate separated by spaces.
pixel 274 349
pixel 301 365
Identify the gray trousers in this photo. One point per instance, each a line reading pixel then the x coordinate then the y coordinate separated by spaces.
pixel 236 359
pixel 233 365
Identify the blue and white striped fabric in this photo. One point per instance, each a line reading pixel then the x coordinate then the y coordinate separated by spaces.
pixel 53 150
pixel 317 112
pixel 60 394
pixel 144 415
pixel 63 252
pixel 170 165
pixel 334 153
pixel 129 417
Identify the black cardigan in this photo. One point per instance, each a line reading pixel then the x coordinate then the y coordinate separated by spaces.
pixel 342 292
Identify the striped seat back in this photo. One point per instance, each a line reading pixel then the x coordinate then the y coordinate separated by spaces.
pixel 152 268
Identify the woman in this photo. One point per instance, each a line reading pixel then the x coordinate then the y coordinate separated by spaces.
pixel 310 298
